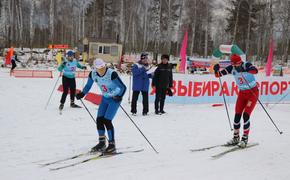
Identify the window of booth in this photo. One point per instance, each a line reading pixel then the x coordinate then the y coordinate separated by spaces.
pixel 114 50
pixel 101 49
pixel 107 50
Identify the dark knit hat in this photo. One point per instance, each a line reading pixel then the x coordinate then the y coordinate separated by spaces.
pixel 144 55
pixel 165 56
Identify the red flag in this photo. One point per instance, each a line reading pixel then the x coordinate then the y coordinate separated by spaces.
pixel 183 53
pixel 270 58
pixel 9 56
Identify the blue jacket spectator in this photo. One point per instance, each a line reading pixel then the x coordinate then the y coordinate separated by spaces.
pixel 140 77
pixel 140 83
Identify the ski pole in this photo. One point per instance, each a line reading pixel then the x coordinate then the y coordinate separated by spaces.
pixel 52 91
pixel 130 79
pixel 262 105
pixel 138 129
pixel 88 111
pixel 225 104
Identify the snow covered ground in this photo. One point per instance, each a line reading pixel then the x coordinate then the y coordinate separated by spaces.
pixel 31 135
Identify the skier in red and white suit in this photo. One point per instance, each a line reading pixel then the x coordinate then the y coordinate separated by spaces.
pixel 243 73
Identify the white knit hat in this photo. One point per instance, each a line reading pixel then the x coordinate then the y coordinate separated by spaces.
pixel 99 63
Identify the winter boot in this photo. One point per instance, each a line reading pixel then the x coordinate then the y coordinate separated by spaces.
pixel 234 141
pixel 111 148
pixel 162 112
pixel 101 146
pixel 243 143
pixel 73 105
pixel 60 107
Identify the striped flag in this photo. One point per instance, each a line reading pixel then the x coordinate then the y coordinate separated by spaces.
pixel 270 58
pixel 182 64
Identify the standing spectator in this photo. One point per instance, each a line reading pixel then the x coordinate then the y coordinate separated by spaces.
pixel 68 67
pixel 140 83
pixel 14 58
pixel 162 81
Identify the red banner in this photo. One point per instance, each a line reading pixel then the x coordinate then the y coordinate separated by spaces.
pixel 60 46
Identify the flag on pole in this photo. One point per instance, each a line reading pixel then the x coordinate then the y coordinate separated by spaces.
pixel 182 64
pixel 270 58
pixel 9 56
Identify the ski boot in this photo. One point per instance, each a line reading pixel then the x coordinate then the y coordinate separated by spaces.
pixel 243 143
pixel 60 107
pixel 111 149
pixel 144 113
pixel 101 146
pixel 73 105
pixel 234 141
pixel 162 112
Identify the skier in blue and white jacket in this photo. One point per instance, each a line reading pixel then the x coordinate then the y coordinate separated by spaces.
pixel 113 90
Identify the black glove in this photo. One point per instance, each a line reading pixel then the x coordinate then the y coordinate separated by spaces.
pixel 63 64
pixel 169 92
pixel 216 67
pixel 80 95
pixel 117 98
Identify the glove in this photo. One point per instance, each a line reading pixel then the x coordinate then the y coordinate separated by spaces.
pixel 63 64
pixel 117 98
pixel 84 67
pixel 80 95
pixel 147 67
pixel 169 92
pixel 216 67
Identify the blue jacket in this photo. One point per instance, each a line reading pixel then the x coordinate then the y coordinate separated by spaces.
pixel 69 68
pixel 140 78
pixel 110 83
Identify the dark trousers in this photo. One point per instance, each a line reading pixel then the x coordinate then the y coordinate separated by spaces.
pixel 13 65
pixel 68 83
pixel 144 101
pixel 159 99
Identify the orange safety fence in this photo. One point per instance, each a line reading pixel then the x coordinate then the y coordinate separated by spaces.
pixel 25 73
pixel 262 70
pixel 82 74
pixel 32 73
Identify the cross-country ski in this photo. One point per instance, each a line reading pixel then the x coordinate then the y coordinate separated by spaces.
pixel 95 157
pixel 233 149
pixel 144 89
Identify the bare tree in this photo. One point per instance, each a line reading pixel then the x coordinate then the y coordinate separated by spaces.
pixel 31 22
pixel 51 21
